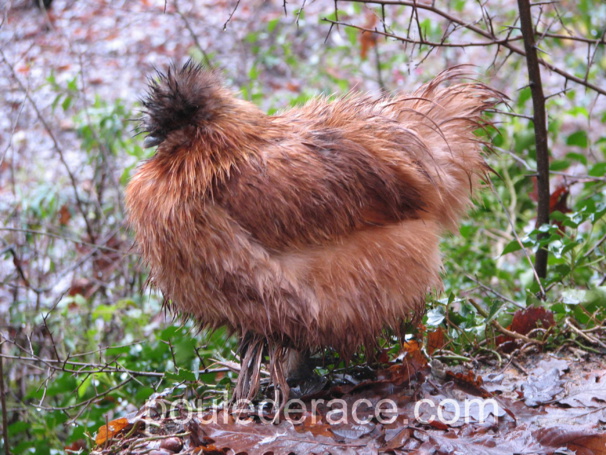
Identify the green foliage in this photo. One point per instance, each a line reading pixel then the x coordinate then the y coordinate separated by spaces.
pixel 501 268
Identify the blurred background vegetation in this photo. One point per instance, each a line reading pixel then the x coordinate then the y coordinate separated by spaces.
pixel 84 340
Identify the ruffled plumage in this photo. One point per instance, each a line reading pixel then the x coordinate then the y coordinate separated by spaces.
pixel 317 227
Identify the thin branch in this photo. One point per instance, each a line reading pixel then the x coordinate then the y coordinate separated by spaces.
pixel 56 145
pixel 3 402
pixel 422 41
pixel 63 237
pixel 231 15
pixel 507 44
pixel 499 327
pixel 580 39
pixel 193 34
pixel 79 368
pixel 540 129
pixel 517 237
pixel 494 291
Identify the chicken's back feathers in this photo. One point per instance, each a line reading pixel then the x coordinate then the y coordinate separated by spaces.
pixel 317 227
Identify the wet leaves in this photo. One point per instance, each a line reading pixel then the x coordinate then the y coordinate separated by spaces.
pixel 403 408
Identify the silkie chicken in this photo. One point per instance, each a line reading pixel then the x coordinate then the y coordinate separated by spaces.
pixel 314 228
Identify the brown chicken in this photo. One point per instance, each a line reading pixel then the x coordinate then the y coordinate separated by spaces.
pixel 314 228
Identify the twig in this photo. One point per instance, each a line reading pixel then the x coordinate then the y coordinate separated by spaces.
pixel 579 332
pixel 3 402
pixel 596 246
pixel 499 327
pixel 193 34
pixel 231 15
pixel 422 40
pixel 540 129
pixel 580 39
pixel 91 368
pixel 515 234
pixel 63 237
pixel 56 146
pixel 494 291
pixel 507 43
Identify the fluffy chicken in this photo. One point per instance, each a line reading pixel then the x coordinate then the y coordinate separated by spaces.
pixel 314 228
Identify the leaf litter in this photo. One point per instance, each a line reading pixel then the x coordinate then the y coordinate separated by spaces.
pixel 548 405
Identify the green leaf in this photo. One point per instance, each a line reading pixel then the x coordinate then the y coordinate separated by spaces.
pixel 425 28
pixel 525 95
pixel 458 5
pixel 182 375
pixel 117 351
pixel 143 393
pixel 435 317
pixel 272 24
pixel 578 138
pixel 493 310
pixel 559 165
pixel 598 170
pixel 573 296
pixel 577 157
pixel 579 110
pixel 84 386
pixel 18 427
pixel 72 84
pixel 352 34
pixel 67 102
pixel 105 312
pixel 512 246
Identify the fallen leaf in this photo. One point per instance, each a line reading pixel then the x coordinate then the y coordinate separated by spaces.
pixel 111 429
pixel 543 388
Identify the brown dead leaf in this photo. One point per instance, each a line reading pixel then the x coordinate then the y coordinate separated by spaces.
pixel 530 318
pixel 210 450
pixel 468 378
pixel 435 340
pixel 83 287
pixel 76 446
pixel 590 394
pixel 542 388
pixel 280 438
pixel 106 261
pixel 524 321
pixel 315 425
pixel 558 200
pixel 400 373
pixel 64 215
pixel 111 429
pixel 368 40
pixel 293 87
pixel 582 442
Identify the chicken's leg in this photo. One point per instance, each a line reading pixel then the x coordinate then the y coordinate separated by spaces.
pixel 300 375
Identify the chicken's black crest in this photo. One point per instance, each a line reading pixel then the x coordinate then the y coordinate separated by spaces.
pixel 189 96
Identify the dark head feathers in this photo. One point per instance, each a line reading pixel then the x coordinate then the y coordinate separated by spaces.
pixel 188 96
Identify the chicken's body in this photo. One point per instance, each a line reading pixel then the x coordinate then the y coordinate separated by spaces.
pixel 315 228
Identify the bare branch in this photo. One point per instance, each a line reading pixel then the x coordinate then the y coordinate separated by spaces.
pixel 194 36
pixel 540 128
pixel 507 43
pixel 57 148
pixel 3 403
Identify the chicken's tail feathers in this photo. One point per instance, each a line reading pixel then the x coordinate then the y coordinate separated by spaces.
pixel 446 113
